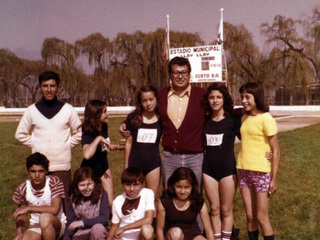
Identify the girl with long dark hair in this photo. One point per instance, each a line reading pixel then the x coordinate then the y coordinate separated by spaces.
pixel 179 206
pixel 142 147
pixel 88 211
pixel 96 143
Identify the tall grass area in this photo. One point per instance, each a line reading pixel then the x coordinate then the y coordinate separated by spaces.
pixel 294 209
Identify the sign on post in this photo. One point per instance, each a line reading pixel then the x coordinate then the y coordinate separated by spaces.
pixel 206 62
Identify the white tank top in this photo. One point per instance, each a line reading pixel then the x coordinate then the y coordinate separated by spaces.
pixel 44 200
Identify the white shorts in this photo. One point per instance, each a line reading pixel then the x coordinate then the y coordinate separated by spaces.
pixel 36 228
pixel 129 235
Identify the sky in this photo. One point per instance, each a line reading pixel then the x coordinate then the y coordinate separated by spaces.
pixel 24 24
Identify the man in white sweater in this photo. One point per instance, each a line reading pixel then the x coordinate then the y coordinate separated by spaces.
pixel 52 128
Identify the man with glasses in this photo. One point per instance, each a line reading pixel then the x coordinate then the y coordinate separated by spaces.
pixel 182 117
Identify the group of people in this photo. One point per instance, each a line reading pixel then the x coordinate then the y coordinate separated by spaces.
pixel 197 129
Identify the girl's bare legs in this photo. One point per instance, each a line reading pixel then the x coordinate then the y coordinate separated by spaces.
pixel 257 210
pixel 248 198
pixel 211 187
pixel 220 196
pixel 227 190
pixel 174 233
pixel 153 182
pixel 107 183
pixel 262 203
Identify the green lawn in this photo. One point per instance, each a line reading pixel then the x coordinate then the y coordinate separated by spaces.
pixel 294 209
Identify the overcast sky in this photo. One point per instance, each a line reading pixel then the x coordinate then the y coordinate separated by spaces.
pixel 24 24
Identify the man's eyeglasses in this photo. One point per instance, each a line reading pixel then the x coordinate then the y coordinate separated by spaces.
pixel 183 73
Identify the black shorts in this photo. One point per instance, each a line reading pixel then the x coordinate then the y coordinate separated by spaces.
pixel 218 171
pixel 145 166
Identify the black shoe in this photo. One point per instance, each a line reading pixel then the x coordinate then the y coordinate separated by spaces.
pixel 235 233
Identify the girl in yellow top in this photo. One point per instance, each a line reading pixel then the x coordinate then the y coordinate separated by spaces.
pixel 257 175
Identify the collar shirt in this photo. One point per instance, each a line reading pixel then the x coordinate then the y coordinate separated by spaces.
pixel 177 106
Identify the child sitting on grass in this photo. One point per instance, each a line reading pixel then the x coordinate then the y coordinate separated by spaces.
pixel 41 195
pixel 88 211
pixel 132 211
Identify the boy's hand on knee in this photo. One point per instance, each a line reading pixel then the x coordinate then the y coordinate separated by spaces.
pixel 18 236
pixel 20 210
pixel 118 232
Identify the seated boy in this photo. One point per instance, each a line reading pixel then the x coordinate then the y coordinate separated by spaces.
pixel 132 211
pixel 41 195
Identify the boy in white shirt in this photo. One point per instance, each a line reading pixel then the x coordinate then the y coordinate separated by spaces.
pixel 41 195
pixel 132 211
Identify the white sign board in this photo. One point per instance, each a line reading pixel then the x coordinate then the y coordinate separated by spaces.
pixel 206 62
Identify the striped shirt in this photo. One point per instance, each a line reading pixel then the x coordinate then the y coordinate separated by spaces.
pixel 56 188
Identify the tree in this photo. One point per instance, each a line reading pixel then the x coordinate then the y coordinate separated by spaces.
pixel 99 52
pixel 138 57
pixel 184 39
pixel 30 82
pixel 292 55
pixel 13 71
pixel 130 59
pixel 314 25
pixel 296 51
pixel 244 61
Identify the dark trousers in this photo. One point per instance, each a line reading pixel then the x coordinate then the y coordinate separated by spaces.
pixel 65 177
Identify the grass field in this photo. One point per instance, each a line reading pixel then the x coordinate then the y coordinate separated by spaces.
pixel 294 209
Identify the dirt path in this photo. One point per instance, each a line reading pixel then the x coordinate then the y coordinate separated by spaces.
pixel 295 119
pixel 292 122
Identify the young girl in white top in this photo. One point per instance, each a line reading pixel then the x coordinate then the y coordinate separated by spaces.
pixel 257 175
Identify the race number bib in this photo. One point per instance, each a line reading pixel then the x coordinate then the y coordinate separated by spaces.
pixel 147 135
pixel 214 139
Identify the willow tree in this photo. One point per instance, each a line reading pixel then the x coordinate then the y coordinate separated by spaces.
pixel 13 71
pixel 154 67
pixel 292 54
pixel 30 82
pixel 184 39
pixel 244 61
pixel 129 59
pixel 98 50
pixel 138 57
pixel 314 25
pixel 6 59
pixel 296 55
